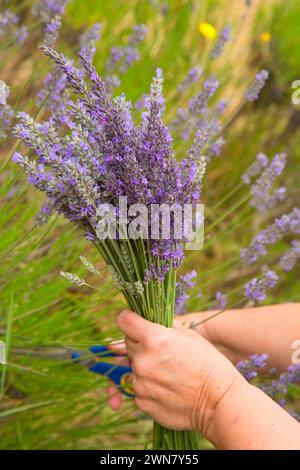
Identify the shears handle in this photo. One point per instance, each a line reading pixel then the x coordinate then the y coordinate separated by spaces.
pixel 120 375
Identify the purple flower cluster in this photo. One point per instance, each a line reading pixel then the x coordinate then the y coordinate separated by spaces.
pixel 287 223
pixel 48 9
pixel 256 289
pixel 221 301
pixel 290 257
pixel 275 387
pixel 8 22
pixel 252 94
pixel 97 154
pixel 6 111
pixel 255 168
pixel 220 43
pixel 185 283
pixel 263 197
pixel 88 40
pixel 199 117
pixel 249 368
pixel 122 57
pixel 52 29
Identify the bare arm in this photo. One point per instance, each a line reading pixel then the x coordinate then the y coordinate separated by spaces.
pixel 242 332
pixel 247 419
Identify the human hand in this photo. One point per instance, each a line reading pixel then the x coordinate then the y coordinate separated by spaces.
pixel 178 376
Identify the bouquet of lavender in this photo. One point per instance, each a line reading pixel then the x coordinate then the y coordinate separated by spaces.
pixel 90 159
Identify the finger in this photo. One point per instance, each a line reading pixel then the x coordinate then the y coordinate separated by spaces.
pixel 118 347
pixel 114 398
pixel 132 347
pixel 134 326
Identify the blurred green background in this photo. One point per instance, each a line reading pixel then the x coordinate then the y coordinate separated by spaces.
pixel 59 405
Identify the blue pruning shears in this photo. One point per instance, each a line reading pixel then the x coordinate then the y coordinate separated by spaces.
pixel 120 375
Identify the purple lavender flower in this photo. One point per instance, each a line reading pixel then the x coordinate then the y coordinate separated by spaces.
pixel 88 40
pixel 48 9
pixel 198 104
pixel 192 77
pixel 290 257
pixel 252 94
pixel 249 368
pixel 186 282
pixel 21 34
pixel 256 288
pixel 256 168
pixel 97 155
pixel 220 302
pixel 220 43
pixel 8 19
pixel 52 29
pixel 262 197
pixel 287 223
pixel 121 58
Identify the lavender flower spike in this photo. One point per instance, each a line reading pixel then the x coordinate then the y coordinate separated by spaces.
pixel 48 9
pixel 290 257
pixel 252 94
pixel 255 169
pixel 220 43
pixel 256 288
pixel 52 29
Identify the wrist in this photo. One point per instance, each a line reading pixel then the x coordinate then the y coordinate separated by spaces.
pixel 216 424
pixel 222 382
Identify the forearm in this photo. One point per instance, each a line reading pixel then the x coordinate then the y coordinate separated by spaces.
pixel 242 332
pixel 245 418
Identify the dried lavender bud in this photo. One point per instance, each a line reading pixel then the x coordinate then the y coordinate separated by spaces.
pixel 220 43
pixel 252 94
pixel 256 288
pixel 127 258
pixel 139 288
pixel 118 282
pixel 192 77
pixel 73 278
pixel 88 265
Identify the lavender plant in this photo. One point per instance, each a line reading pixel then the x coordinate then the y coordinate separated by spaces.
pixel 101 155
